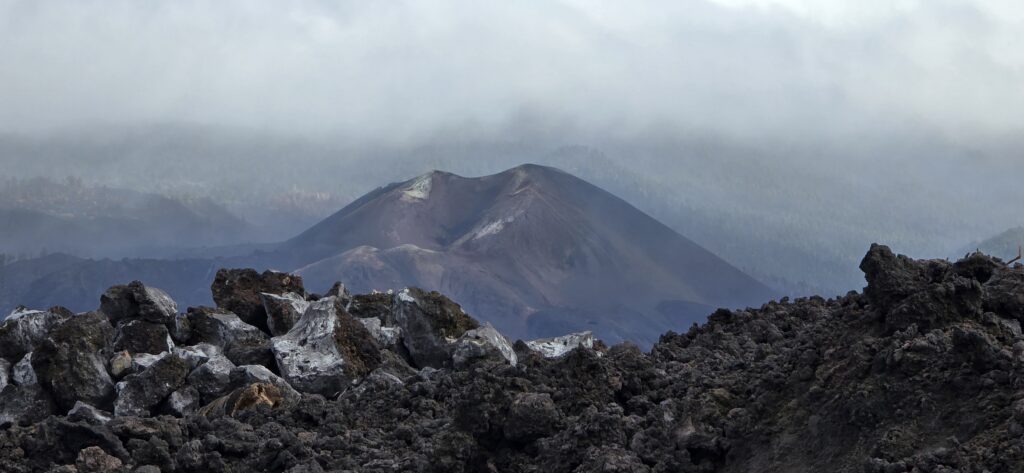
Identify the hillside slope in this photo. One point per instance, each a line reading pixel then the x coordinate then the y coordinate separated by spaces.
pixel 533 250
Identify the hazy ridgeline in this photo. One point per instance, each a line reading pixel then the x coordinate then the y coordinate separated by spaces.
pixel 797 215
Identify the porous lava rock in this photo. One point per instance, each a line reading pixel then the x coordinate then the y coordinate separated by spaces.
pixel 238 291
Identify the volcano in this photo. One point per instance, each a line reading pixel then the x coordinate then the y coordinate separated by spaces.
pixel 534 250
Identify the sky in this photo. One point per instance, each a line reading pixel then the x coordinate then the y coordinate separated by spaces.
pixel 409 70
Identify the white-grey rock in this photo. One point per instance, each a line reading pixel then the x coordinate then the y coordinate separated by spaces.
pixel 23 374
pixel 387 337
pixel 184 402
pixel 82 412
pixel 483 342
pixel 141 392
pixel 5 373
pixel 137 301
pixel 196 355
pixel 308 355
pixel 558 346
pixel 23 330
pixel 142 361
pixel 283 311
pixel 242 343
pixel 213 378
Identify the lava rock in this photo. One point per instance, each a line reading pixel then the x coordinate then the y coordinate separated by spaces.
pixel 558 346
pixel 242 343
pixel 387 337
pixel 183 402
pixel 82 412
pixel 23 374
pixel 95 460
pixel 142 361
pixel 136 301
pixel 139 336
pixel 23 330
pixel 531 416
pixel 5 373
pixel 325 350
pixel 141 392
pixel 197 354
pixel 377 305
pixel 213 378
pixel 238 291
pixel 24 404
pixel 71 363
pixel 283 311
pixel 431 324
pixel 481 343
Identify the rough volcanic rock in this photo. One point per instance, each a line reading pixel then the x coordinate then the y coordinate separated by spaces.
pixel 283 311
pixel 22 374
pixel 213 378
pixel 387 337
pixel 24 404
pixel 339 291
pixel 71 363
pixel 922 294
pixel 139 336
pixel 142 361
pixel 379 305
pixel 23 330
pixel 136 301
pixel 557 346
pixel 531 416
pixel 325 350
pixel 431 324
pixel 183 402
pixel 483 342
pixel 238 291
pixel 197 354
pixel 242 343
pixel 5 373
pixel 82 412
pixel 861 383
pixel 141 392
pixel 95 460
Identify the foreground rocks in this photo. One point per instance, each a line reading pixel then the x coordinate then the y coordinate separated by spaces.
pixel 922 373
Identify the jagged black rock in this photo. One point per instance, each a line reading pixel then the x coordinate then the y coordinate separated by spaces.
pixel 922 372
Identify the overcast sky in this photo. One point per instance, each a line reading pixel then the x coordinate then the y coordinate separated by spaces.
pixel 408 69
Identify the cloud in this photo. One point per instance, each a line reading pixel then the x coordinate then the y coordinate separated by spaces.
pixel 406 69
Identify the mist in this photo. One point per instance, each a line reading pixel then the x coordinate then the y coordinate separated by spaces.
pixel 785 136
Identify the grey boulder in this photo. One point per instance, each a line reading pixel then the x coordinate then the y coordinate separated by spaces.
pixel 283 310
pixel 325 350
pixel 136 301
pixel 431 324
pixel 139 393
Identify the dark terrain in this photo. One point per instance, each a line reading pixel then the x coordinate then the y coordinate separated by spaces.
pixel 919 373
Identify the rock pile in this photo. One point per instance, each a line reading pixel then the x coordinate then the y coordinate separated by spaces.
pixel 923 372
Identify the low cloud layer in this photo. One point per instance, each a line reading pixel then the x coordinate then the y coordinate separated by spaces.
pixel 408 70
